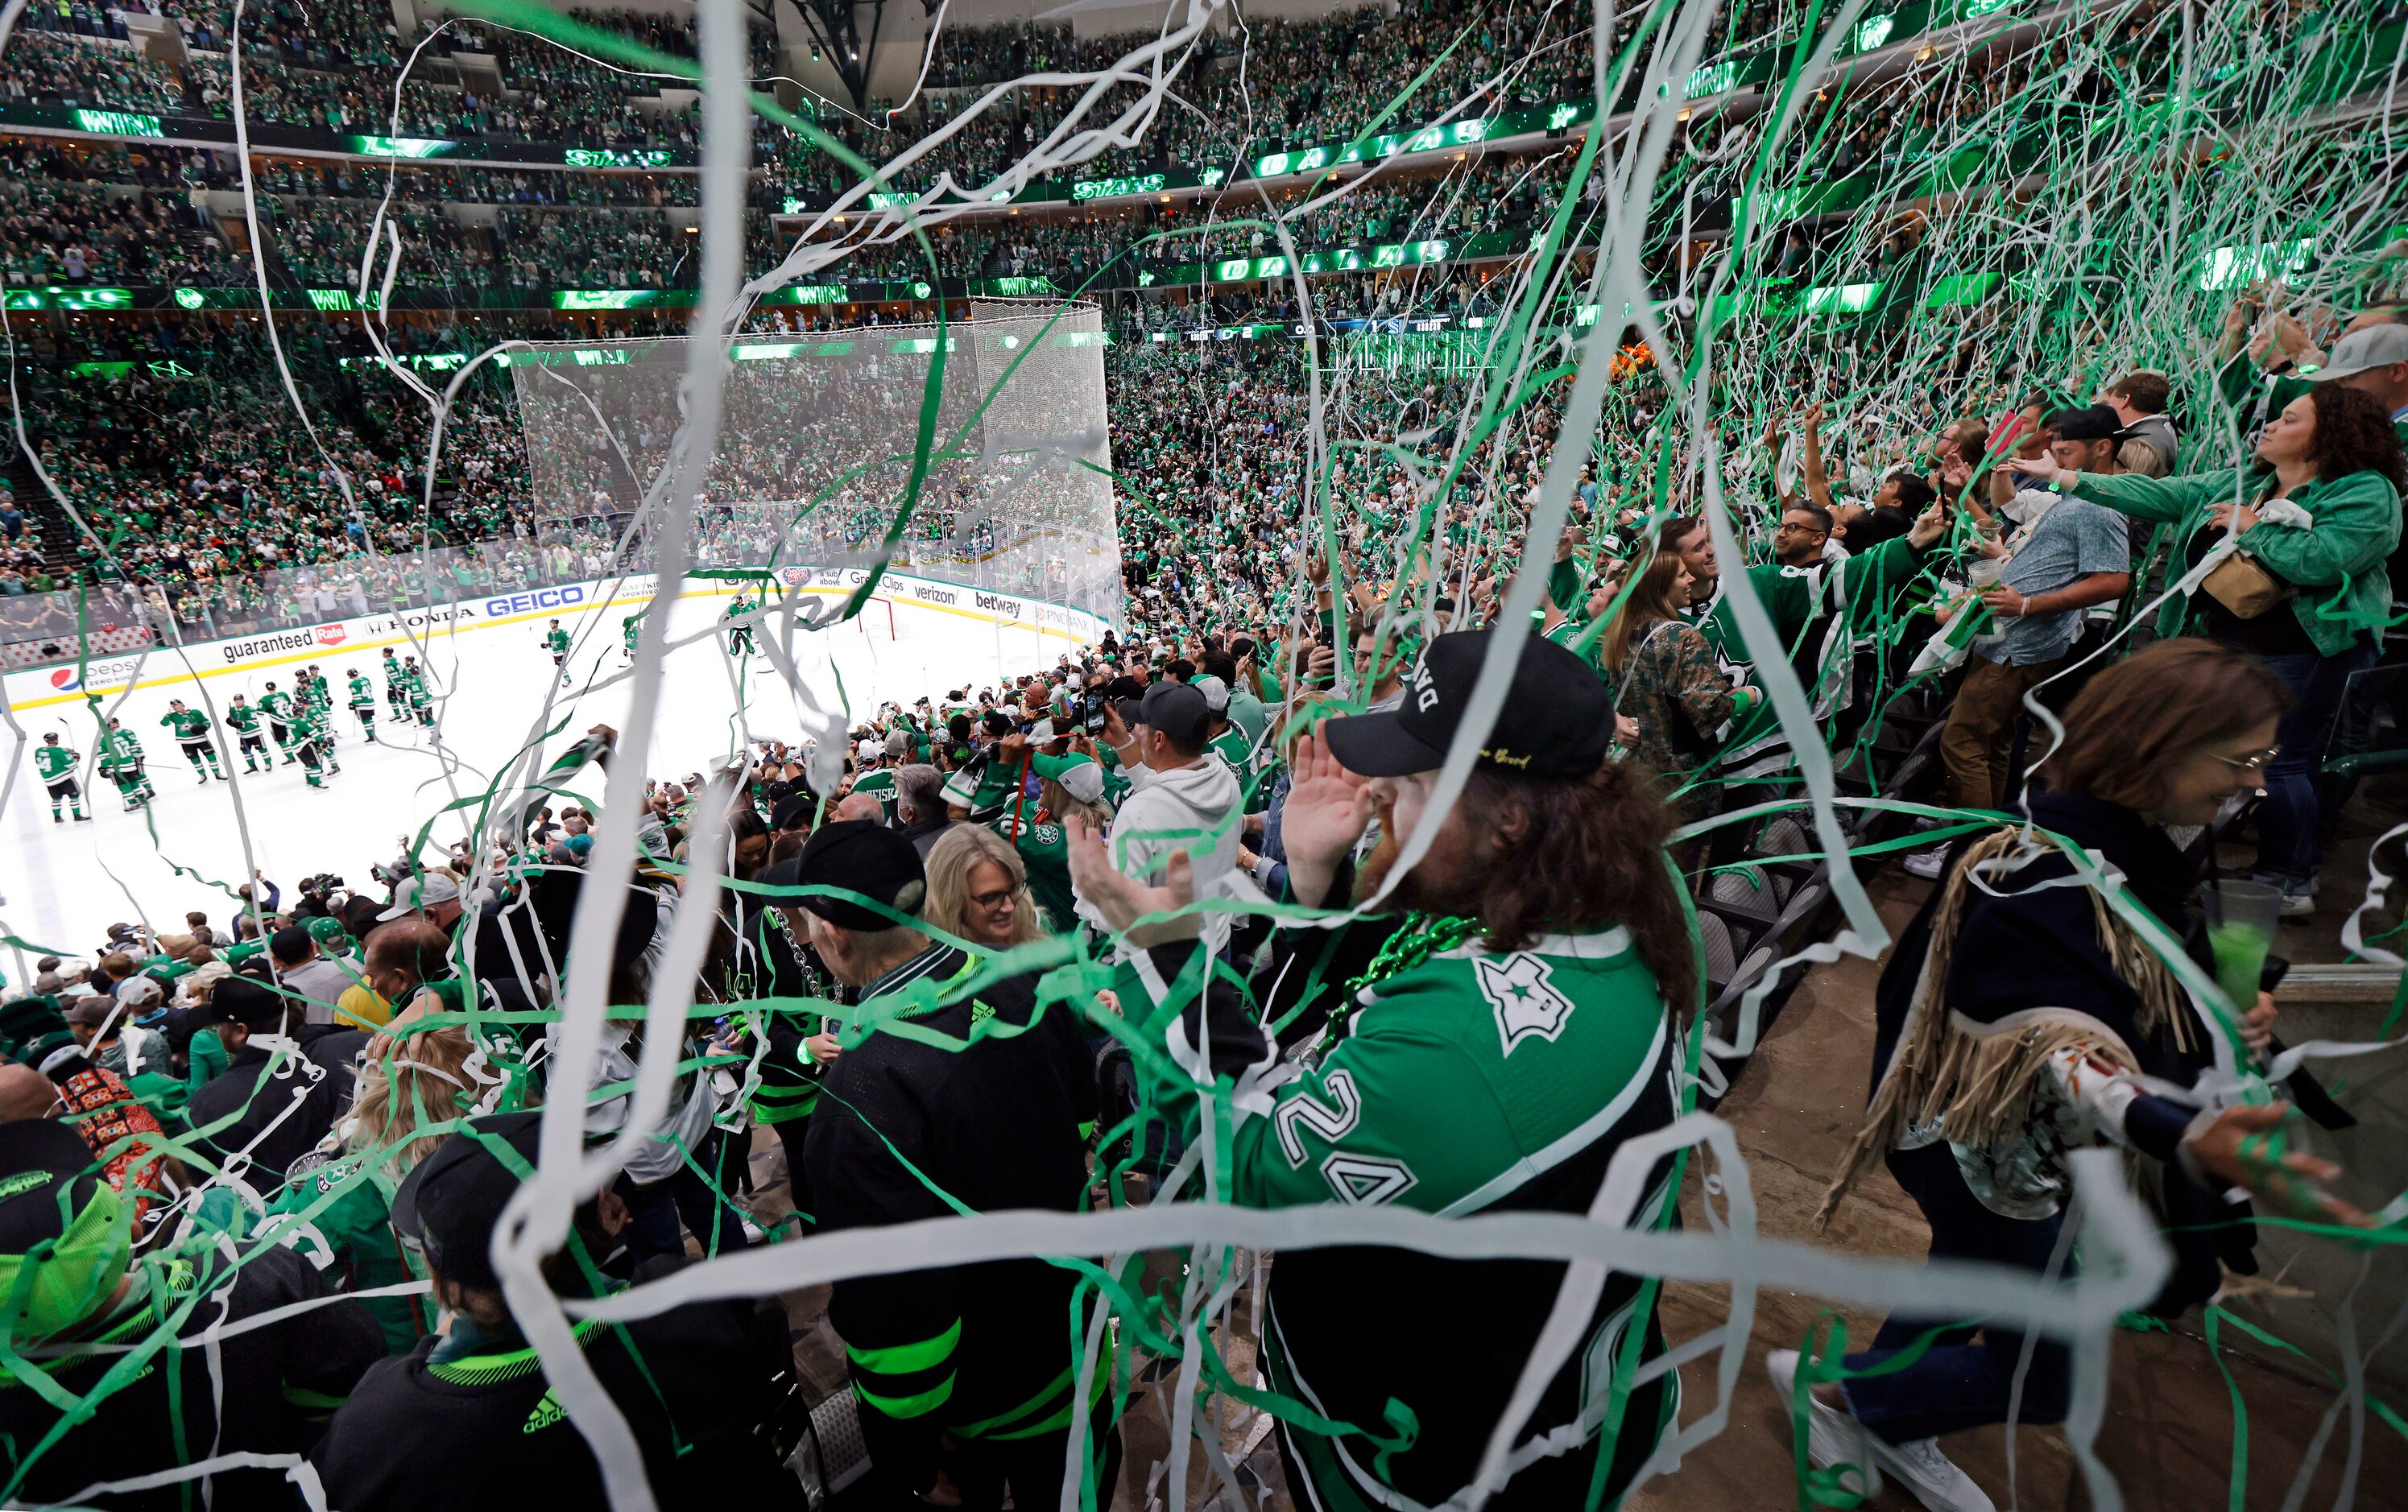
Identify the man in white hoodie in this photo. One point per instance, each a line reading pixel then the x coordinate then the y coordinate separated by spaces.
pixel 1180 798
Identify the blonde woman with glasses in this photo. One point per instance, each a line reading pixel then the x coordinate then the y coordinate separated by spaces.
pixel 977 889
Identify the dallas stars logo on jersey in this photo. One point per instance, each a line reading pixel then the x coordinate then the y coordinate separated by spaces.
pixel 1524 1003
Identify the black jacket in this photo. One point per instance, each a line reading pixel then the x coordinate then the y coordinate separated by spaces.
pixel 972 1349
pixel 280 1382
pixel 248 1090
pixel 698 1385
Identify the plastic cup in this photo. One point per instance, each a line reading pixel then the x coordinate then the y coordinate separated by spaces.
pixel 2241 921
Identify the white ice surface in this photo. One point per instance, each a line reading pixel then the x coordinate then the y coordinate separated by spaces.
pixel 61 886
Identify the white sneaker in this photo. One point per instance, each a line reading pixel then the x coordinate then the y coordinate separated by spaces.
pixel 1928 865
pixel 1832 1436
pixel 1932 1477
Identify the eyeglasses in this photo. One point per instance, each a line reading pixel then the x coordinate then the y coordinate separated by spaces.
pixel 2257 761
pixel 992 900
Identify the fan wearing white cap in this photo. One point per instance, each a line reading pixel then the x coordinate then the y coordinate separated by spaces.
pixel 436 895
pixel 2374 359
pixel 1065 785
pixel 874 778
pixel 1226 740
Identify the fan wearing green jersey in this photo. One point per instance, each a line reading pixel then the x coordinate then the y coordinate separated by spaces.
pixel 192 728
pixel 1516 1028
pixel 242 718
pixel 874 770
pixel 363 702
pixel 56 763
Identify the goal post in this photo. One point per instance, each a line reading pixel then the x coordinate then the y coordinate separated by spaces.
pixel 875 618
pixel 852 450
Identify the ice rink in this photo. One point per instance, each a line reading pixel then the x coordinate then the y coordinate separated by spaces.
pixel 495 691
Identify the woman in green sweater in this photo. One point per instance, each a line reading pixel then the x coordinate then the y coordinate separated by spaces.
pixel 2320 513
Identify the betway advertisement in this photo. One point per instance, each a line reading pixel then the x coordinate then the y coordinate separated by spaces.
pixel 104 675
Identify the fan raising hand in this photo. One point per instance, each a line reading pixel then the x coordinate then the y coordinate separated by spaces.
pixel 1328 810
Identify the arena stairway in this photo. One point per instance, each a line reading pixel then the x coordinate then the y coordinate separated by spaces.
pixel 42 512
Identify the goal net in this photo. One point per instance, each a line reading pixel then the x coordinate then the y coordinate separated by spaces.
pixel 819 461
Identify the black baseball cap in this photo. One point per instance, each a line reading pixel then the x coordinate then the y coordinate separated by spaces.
pixel 40 1159
pixel 860 856
pixel 1177 709
pixel 1558 719
pixel 447 1206
pixel 241 999
pixel 290 944
pixel 794 811
pixel 2091 422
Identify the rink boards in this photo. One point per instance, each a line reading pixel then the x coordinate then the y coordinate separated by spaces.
pixel 495 693
pixel 442 625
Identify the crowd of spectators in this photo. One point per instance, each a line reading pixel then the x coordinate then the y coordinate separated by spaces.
pixel 63 233
pixel 1251 715
pixel 1937 520
pixel 42 69
pixel 465 185
pixel 167 168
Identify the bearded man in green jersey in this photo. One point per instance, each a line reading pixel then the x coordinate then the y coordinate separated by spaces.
pixel 1517 1026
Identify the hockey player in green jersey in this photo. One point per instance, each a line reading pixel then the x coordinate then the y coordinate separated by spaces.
pixel 739 638
pixel 243 720
pixel 631 628
pixel 364 705
pixel 314 696
pixel 278 706
pixel 309 744
pixel 123 763
pixel 57 764
pixel 394 689
pixel 192 728
pixel 1490 1051
pixel 555 640
pixel 413 688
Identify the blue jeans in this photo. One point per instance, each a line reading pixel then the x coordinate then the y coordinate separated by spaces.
pixel 1965 1378
pixel 2286 816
